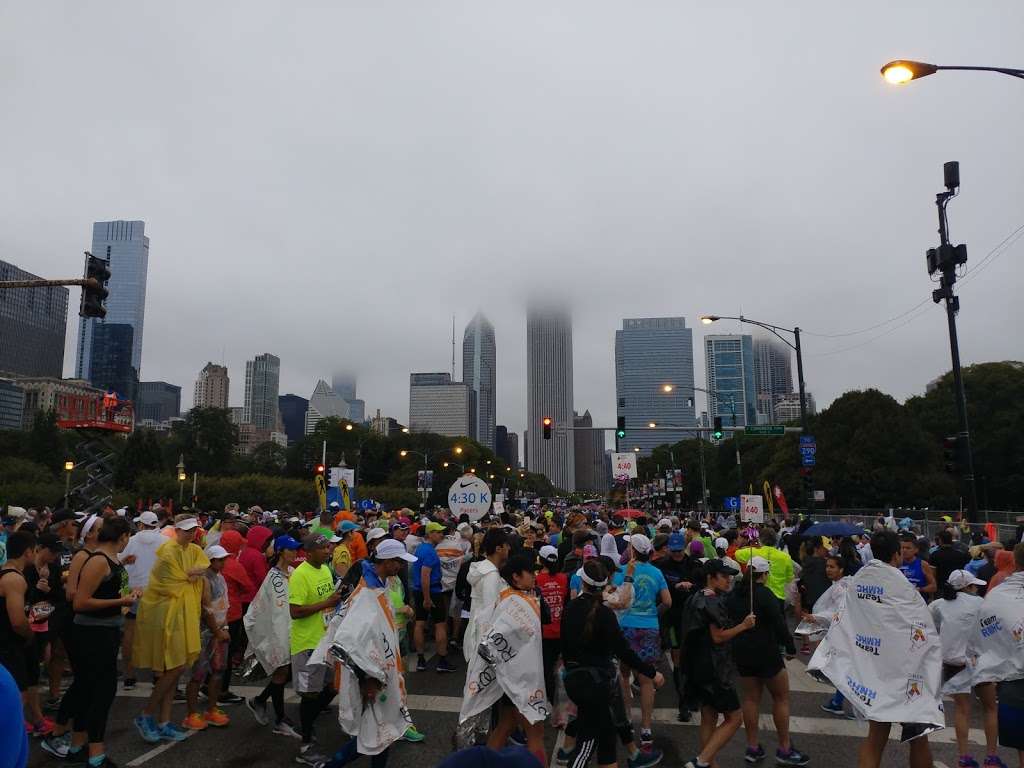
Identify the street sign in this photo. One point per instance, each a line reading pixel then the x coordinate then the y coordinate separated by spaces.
pixel 623 466
pixel 752 508
pixel 807 440
pixel 471 496
pixel 731 502
pixel 819 495
pixel 762 430
pixel 808 449
pixel 337 474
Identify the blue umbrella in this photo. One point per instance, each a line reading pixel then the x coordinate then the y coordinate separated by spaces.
pixel 834 529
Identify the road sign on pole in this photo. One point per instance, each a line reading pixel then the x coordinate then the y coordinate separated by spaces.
pixel 808 450
pixel 752 508
pixel 764 430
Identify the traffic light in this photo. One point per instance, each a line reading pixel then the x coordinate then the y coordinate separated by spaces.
pixel 620 427
pixel 320 468
pixel 951 454
pixel 94 296
pixel 547 421
pixel 717 434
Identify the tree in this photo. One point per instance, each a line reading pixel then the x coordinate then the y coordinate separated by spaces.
pixel 140 453
pixel 45 442
pixel 207 439
pixel 267 459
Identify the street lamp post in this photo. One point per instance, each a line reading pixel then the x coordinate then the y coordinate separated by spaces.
pixel 69 467
pixel 181 478
pixel 903 71
pixel 425 455
pixel 778 330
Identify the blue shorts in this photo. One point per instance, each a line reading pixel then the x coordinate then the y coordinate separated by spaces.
pixel 646 643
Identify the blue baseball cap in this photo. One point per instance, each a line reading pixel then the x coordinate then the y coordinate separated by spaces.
pixel 676 542
pixel 347 525
pixel 286 542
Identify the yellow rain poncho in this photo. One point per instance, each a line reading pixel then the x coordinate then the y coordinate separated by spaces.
pixel 167 623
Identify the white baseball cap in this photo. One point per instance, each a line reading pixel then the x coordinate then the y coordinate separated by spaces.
pixel 389 549
pixel 960 579
pixel 17 513
pixel 759 565
pixel 664 523
pixel 188 524
pixel 147 518
pixel 547 552
pixel 464 527
pixel 216 552
pixel 721 543
pixel 374 533
pixel 641 543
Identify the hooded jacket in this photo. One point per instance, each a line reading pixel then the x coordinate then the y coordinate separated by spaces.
pixel 241 589
pixel 486 584
pixel 1004 567
pixel 252 557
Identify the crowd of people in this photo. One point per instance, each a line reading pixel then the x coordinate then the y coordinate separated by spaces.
pixel 563 618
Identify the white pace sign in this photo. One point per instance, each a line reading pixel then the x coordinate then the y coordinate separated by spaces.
pixel 623 466
pixel 469 495
pixel 752 509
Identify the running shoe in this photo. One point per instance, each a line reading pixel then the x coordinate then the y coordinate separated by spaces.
pixel 179 695
pixel 129 683
pixel 413 735
pixel 754 754
pixel 421 664
pixel 287 728
pixel 693 762
pixel 215 716
pixel 194 722
pixel 518 738
pixel 443 665
pixel 107 763
pixel 993 761
pixel 81 757
pixel 646 739
pixel 230 697
pixel 259 711
pixel 833 709
pixel 967 761
pixel 172 732
pixel 645 758
pixel 147 728
pixel 562 757
pixel 793 757
pixel 309 756
pixel 58 746
pixel 684 716
pixel 43 728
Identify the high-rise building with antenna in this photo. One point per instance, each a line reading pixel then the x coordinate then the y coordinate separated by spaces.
pixel 479 373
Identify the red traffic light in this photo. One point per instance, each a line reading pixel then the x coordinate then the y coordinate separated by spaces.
pixel 547 421
pixel 320 469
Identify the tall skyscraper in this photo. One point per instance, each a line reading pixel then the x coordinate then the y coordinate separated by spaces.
pixel 125 245
pixel 549 394
pixel 293 415
pixel 32 326
pixel 773 374
pixel 344 386
pixel 439 405
pixel 157 401
pixel 111 367
pixel 589 455
pixel 324 403
pixel 479 362
pixel 262 378
pixel 212 387
pixel 730 378
pixel 653 354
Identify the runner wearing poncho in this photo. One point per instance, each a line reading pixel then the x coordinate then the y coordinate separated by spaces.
pixel 508 666
pixel 883 654
pixel 371 695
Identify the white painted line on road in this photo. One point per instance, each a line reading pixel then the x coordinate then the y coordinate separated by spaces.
pixel 147 756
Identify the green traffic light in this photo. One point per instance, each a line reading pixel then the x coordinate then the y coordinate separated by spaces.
pixel 620 433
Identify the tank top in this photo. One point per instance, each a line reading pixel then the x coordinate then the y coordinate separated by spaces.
pixel 914 572
pixel 112 587
pixel 8 637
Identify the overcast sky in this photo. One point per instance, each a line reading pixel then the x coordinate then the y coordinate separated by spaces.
pixel 331 181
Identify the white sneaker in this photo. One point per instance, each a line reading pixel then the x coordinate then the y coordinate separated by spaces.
pixel 259 711
pixel 286 728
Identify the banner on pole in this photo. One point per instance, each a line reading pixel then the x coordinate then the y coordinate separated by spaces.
pixel 623 466
pixel 751 509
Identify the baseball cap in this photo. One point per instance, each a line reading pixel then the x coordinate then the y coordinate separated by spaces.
pixel 696 547
pixel 147 518
pixel 464 527
pixel 960 579
pixel 50 541
pixel 400 524
pixel 347 525
pixel 721 543
pixel 286 542
pixel 692 525
pixel 664 523
pixel 334 505
pixel 547 552
pixel 389 549
pixel 216 552
pixel 16 513
pixel 718 567
pixel 314 541
pixel 188 524
pixel 676 542
pixel 759 564
pixel 641 543
pixel 375 533
pixel 432 527
pixel 62 517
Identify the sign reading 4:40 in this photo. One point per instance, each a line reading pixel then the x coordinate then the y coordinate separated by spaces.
pixel 469 495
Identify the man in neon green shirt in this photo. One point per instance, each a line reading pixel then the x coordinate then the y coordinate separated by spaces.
pixel 781 572
pixel 311 594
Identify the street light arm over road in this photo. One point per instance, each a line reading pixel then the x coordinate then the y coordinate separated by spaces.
pixel 709 319
pixel 902 71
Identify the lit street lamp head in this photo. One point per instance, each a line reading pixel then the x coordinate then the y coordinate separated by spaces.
pixel 901 71
pixel 348 427
pixel 69 466
pixel 667 388
pixel 458 449
pixel 708 319
pixel 403 454
pixel 652 424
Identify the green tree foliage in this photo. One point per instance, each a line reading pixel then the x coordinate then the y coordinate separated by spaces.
pixel 45 443
pixel 207 439
pixel 27 483
pixel 141 453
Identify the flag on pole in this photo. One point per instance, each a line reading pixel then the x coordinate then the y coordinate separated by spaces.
pixel 780 499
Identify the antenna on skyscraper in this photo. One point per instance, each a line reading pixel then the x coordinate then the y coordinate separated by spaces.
pixel 453 347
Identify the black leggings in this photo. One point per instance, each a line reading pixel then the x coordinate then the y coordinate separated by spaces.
pixel 551 650
pixel 96 677
pixel 599 717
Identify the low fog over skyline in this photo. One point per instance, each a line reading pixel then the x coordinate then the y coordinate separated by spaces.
pixel 332 182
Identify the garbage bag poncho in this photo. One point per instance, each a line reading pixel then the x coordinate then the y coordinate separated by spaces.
pixel 995 651
pixel 509 660
pixel 882 651
pixel 167 623
pixel 268 623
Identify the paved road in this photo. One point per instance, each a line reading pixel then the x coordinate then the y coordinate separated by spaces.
pixel 435 700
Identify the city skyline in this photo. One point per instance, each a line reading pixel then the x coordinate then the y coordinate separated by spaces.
pixel 549 392
pixel 479 370
pixel 595 187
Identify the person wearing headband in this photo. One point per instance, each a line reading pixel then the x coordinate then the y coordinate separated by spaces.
pixel 591 641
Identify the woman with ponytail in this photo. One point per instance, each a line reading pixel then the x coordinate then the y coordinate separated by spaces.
pixel 591 641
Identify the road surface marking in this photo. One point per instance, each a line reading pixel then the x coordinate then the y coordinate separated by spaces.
pixel 147 756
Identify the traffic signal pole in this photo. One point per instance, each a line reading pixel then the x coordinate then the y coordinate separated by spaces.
pixel 945 260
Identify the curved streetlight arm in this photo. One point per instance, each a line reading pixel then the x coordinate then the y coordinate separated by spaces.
pixel 767 326
pixel 1001 70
